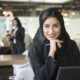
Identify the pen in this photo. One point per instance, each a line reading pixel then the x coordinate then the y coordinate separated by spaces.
pixel 47 44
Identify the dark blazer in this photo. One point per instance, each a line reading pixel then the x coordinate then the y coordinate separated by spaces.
pixel 19 47
pixel 45 67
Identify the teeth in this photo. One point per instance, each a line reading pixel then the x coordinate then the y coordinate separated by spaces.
pixel 51 35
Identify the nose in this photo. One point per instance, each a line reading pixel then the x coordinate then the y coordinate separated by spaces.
pixel 51 30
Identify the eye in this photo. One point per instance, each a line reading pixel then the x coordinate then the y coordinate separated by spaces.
pixel 55 25
pixel 46 26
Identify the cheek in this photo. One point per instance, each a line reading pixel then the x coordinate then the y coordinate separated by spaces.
pixel 57 30
pixel 15 22
pixel 45 31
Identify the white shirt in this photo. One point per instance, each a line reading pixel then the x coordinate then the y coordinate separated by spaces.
pixel 15 30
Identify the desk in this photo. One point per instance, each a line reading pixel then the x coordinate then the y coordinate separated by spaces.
pixel 12 59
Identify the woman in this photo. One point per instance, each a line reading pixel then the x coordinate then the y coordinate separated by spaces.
pixel 52 47
pixel 17 37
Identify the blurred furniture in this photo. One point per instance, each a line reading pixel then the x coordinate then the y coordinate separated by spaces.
pixel 12 59
pixel 6 41
pixel 6 62
pixel 18 67
pixel 27 73
pixel 5 72
pixel 5 50
pixel 28 41
pixel 24 70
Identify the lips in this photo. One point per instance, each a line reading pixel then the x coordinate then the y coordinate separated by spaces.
pixel 51 35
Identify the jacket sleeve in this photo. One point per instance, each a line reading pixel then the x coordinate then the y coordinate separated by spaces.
pixel 42 71
pixel 20 34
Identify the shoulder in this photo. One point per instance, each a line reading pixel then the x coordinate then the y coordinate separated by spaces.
pixel 21 29
pixel 73 42
pixel 74 45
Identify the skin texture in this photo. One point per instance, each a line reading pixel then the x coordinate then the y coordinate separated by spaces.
pixel 52 30
pixel 15 23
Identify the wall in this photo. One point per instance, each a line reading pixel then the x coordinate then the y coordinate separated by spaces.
pixel 74 28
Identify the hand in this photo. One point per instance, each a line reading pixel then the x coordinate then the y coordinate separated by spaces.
pixel 13 35
pixel 53 46
pixel 7 37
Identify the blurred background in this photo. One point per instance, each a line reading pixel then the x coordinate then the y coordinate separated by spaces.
pixel 28 12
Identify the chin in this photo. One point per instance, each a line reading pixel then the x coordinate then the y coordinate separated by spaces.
pixel 51 38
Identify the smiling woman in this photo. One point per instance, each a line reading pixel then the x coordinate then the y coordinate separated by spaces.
pixel 52 47
pixel 51 28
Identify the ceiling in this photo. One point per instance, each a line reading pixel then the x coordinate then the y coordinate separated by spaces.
pixel 34 7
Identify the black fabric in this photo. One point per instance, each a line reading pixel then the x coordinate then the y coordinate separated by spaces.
pixel 19 47
pixel 45 67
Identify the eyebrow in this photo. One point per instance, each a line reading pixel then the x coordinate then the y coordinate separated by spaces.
pixel 53 24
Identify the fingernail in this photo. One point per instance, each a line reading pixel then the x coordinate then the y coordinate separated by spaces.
pixel 60 46
pixel 62 41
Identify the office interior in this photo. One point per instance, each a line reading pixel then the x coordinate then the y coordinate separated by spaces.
pixel 28 12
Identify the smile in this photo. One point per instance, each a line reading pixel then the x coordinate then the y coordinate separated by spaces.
pixel 52 36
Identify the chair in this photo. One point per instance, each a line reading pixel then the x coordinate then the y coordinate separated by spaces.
pixel 27 73
pixel 28 41
pixel 17 68
pixel 24 70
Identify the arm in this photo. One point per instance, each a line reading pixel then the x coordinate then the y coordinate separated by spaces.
pixel 42 71
pixel 10 37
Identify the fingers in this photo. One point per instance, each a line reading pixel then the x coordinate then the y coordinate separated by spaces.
pixel 59 43
pixel 13 35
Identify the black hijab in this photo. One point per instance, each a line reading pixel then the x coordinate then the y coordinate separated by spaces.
pixel 66 45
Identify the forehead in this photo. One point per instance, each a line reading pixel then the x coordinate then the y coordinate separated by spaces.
pixel 14 21
pixel 51 20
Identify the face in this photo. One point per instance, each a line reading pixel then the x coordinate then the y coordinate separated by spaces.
pixel 15 23
pixel 51 28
